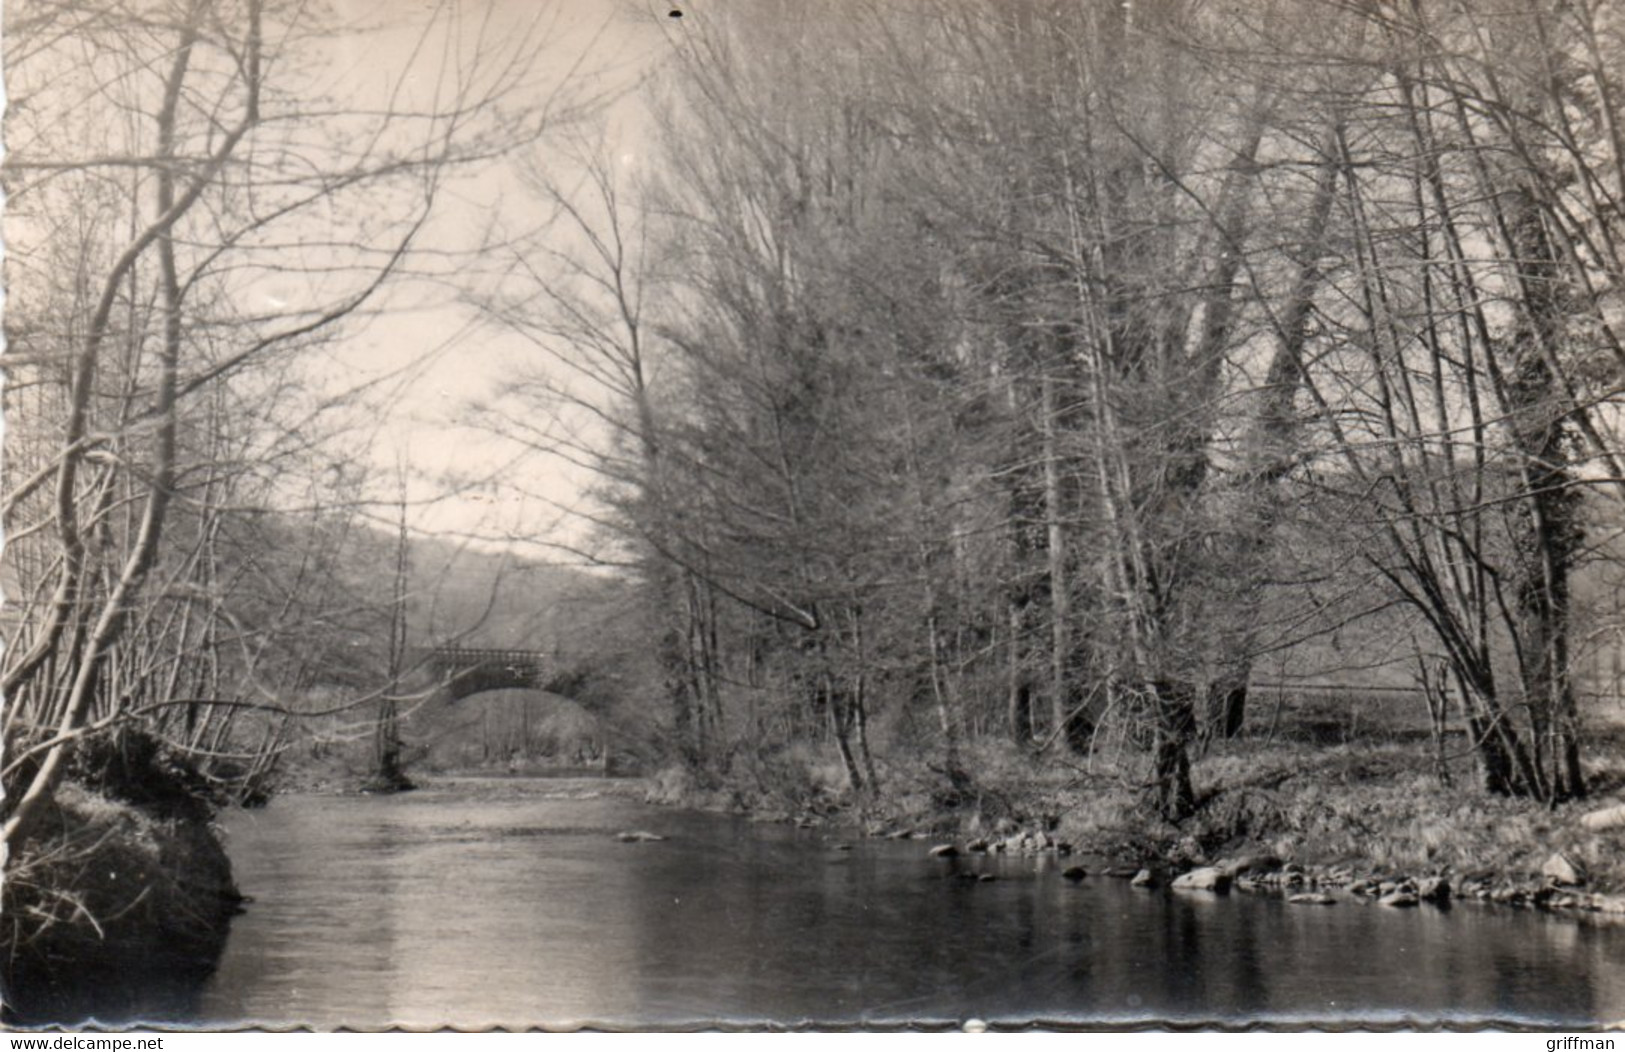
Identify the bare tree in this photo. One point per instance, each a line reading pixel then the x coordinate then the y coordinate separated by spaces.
pixel 220 217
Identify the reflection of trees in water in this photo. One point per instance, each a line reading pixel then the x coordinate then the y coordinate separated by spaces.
pixel 1600 956
pixel 479 905
pixel 466 907
pixel 790 930
pixel 325 876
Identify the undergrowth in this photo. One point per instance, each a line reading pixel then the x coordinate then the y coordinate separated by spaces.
pixel 1382 806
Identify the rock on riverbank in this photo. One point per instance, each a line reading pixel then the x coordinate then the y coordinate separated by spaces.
pixel 116 910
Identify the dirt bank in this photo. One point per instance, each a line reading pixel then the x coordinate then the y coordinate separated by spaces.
pixel 119 907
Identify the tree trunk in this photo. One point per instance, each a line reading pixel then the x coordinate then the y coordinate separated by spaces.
pixel 841 721
pixel 1175 724
pixel 672 655
pixel 1270 450
pixel 1019 685
pixel 1550 533
pixel 1064 698
pixel 860 707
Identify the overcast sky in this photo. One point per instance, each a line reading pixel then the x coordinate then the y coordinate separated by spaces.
pixel 442 356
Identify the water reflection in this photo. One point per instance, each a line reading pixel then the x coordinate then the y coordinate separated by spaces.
pixel 511 903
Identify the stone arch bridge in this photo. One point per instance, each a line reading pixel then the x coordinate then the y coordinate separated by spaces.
pixel 521 728
pixel 464 671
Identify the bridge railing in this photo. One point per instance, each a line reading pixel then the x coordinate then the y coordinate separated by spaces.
pixel 474 655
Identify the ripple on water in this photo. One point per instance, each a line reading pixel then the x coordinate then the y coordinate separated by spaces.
pixel 482 901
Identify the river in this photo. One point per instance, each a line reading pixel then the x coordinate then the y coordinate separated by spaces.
pixel 510 902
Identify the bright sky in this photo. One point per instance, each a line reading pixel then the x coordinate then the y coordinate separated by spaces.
pixel 448 359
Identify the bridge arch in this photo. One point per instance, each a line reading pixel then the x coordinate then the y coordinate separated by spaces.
pixel 488 706
pixel 464 671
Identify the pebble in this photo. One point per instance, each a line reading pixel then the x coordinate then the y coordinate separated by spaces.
pixel 1312 898
pixel 1208 878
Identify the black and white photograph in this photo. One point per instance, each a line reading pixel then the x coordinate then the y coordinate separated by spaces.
pixel 832 515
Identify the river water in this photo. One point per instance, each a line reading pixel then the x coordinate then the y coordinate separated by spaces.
pixel 510 902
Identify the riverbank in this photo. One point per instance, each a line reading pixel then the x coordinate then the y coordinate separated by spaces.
pixel 126 884
pixel 1366 818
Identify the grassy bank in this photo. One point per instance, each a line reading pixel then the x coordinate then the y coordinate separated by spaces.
pixel 1338 814
pixel 120 905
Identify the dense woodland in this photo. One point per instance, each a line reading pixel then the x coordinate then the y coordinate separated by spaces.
pixel 952 373
pixel 1035 370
